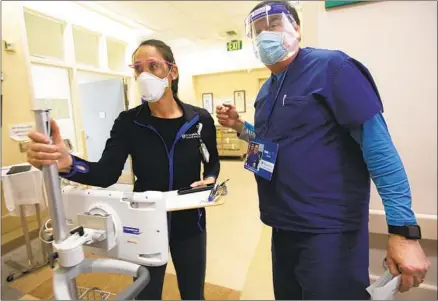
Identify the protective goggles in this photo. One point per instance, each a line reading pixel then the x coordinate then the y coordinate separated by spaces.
pixel 271 17
pixel 159 68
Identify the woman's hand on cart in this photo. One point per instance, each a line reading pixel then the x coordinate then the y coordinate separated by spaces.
pixel 42 152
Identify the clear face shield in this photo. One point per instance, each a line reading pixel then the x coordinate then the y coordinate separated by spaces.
pixel 272 30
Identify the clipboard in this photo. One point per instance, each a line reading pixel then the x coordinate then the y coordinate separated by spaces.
pixel 178 202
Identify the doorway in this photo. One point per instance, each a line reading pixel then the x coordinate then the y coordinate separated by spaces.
pixel 102 99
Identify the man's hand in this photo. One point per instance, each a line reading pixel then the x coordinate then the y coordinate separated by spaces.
pixel 228 117
pixel 406 257
pixel 204 182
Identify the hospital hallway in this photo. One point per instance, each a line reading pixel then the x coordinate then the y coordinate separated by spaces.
pixel 305 94
pixel 238 251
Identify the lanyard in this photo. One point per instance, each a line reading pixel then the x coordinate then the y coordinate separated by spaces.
pixel 270 100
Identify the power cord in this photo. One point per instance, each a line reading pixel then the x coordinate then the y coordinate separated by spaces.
pixel 49 231
pixel 46 230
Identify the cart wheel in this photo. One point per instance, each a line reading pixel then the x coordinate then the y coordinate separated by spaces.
pixel 10 278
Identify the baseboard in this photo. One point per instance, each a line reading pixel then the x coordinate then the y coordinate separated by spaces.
pixel 423 292
pixel 29 297
pixel 428 223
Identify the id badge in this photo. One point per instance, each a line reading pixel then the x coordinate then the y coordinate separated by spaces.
pixel 204 152
pixel 202 148
pixel 261 157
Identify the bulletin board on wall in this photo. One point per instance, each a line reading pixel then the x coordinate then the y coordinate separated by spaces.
pixel 330 4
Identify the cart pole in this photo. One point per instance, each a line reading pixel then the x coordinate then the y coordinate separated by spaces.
pixel 53 189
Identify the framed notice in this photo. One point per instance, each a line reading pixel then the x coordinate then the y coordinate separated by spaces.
pixel 207 102
pixel 240 101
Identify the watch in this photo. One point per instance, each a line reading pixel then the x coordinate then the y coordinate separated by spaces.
pixel 409 232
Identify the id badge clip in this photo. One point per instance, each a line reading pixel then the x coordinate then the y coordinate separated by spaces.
pixel 204 152
pixel 202 147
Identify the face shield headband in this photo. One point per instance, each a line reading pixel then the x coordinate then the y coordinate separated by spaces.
pixel 272 30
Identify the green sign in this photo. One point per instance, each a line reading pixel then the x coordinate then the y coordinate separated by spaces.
pixel 329 4
pixel 234 45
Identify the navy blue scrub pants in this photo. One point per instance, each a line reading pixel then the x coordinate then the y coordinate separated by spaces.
pixel 308 266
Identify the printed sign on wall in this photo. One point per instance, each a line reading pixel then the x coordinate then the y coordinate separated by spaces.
pixel 19 132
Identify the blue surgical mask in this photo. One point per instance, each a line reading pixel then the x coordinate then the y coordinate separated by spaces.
pixel 270 47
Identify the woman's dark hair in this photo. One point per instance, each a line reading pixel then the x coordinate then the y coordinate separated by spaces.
pixel 167 54
pixel 286 4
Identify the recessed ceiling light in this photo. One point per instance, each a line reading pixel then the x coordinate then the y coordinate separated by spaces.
pixel 231 33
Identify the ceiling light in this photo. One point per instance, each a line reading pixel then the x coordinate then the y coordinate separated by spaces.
pixel 96 7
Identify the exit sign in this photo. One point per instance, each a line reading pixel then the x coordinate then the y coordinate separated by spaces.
pixel 234 45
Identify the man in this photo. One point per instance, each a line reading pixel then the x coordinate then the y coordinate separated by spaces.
pixel 250 156
pixel 253 156
pixel 322 111
pixel 256 157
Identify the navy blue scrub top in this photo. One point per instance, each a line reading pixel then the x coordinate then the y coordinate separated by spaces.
pixel 320 183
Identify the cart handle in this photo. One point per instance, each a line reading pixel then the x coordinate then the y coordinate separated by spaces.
pixel 62 276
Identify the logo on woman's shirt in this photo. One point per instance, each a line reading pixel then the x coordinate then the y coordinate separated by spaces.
pixel 196 135
pixel 191 136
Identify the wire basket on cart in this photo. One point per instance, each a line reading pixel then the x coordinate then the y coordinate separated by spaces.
pixel 92 294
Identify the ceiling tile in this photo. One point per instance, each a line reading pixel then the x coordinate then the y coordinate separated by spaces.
pixel 236 8
pixel 181 43
pixel 156 15
pixel 202 13
pixel 233 23
pixel 202 8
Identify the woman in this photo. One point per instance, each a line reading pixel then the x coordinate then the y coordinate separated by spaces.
pixel 167 140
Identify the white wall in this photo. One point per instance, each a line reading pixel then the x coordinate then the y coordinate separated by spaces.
pixel 397 41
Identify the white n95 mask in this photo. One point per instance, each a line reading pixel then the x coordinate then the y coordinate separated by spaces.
pixel 150 87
